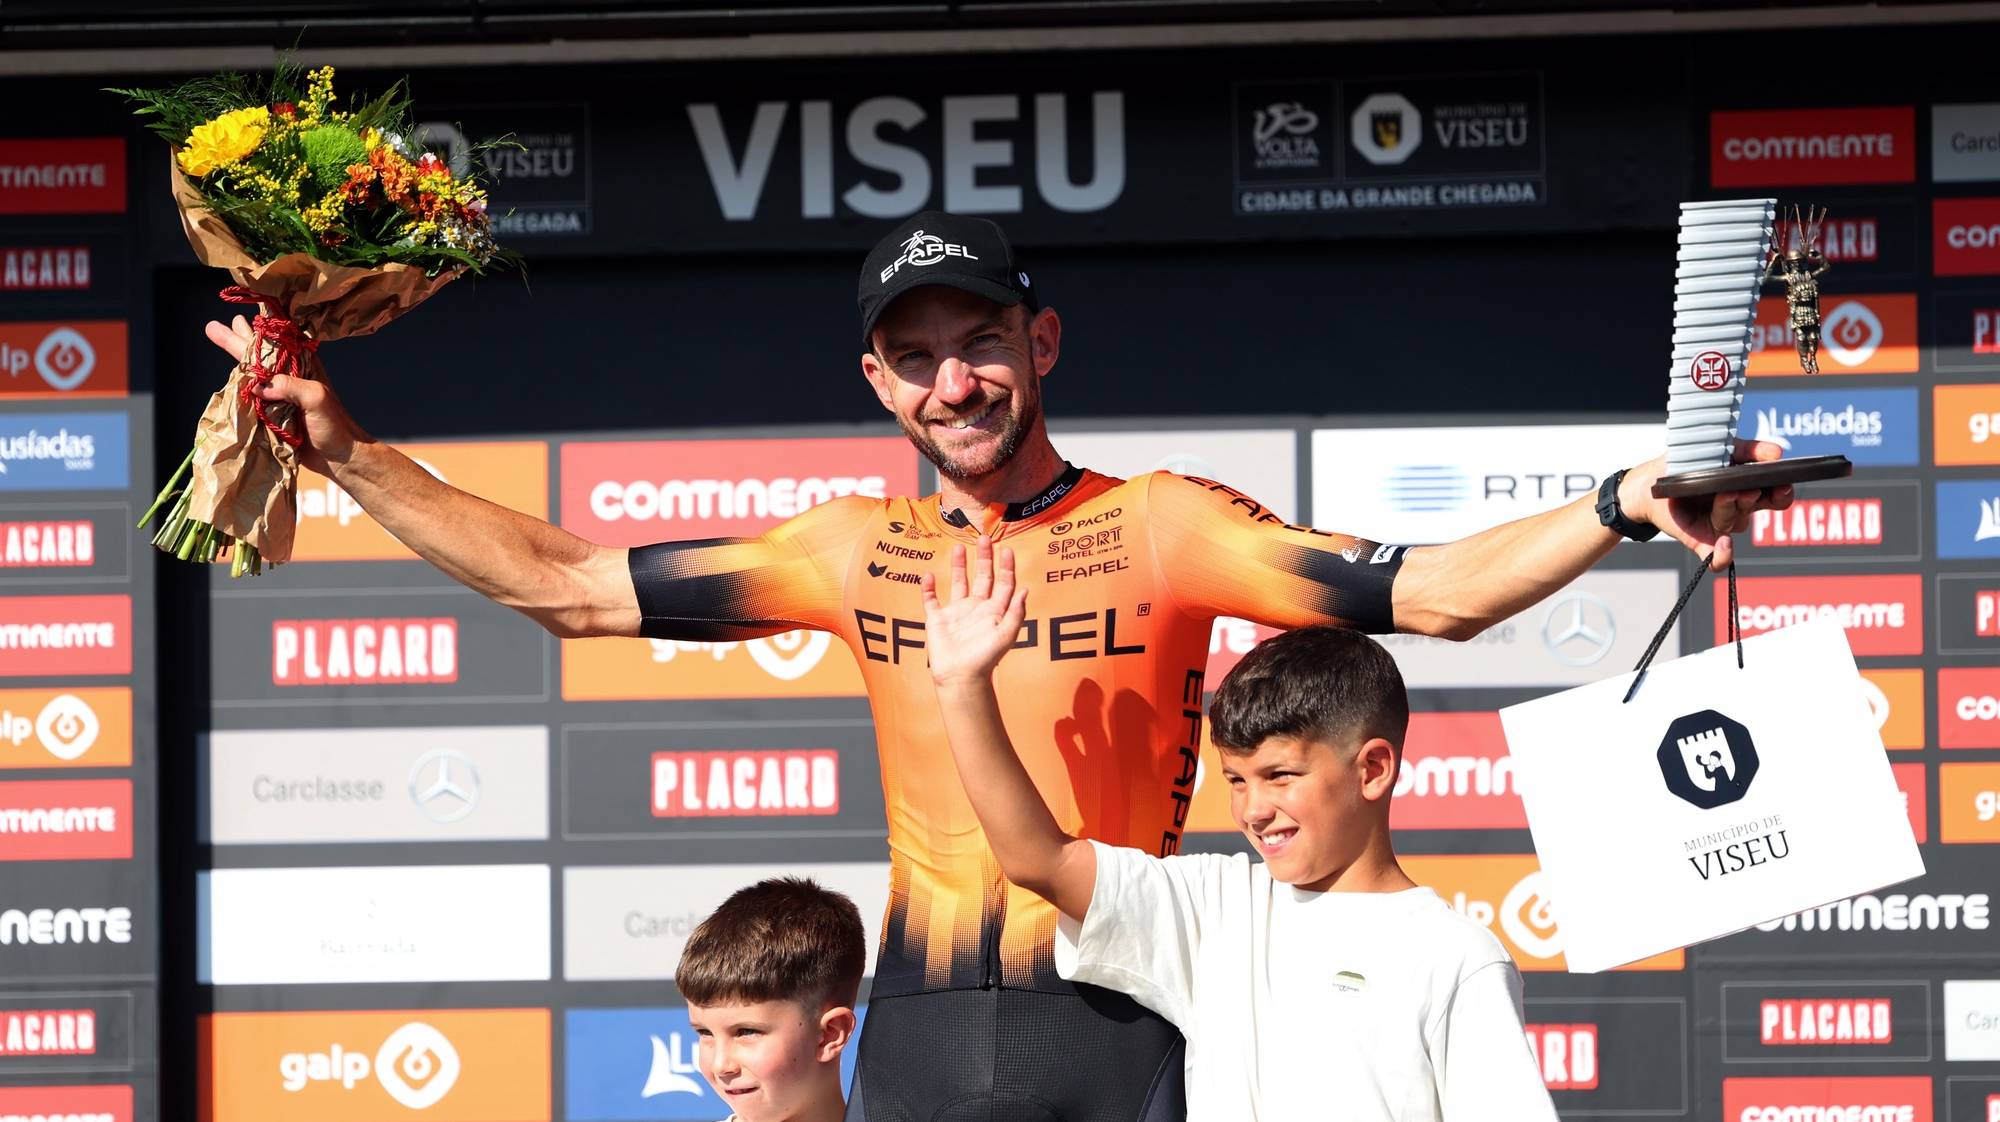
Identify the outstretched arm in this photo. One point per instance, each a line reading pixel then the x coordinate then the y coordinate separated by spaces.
pixel 967 638
pixel 1461 588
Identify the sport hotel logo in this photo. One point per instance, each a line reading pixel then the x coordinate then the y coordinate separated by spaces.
pixel 634 493
pixel 47 636
pixel 746 784
pixel 66 1104
pixel 51 728
pixel 347 652
pixel 792 664
pixel 1967 420
pixel 66 820
pixel 1892 1098
pixel 1875 334
pixel 1506 893
pixel 1883 615
pixel 333 527
pixel 75 358
pixel 1965 237
pixel 1812 147
pixel 1969 804
pixel 1456 775
pixel 444 1065
pixel 82 175
pixel 45 268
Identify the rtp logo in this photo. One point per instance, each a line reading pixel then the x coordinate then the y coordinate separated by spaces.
pixel 1708 759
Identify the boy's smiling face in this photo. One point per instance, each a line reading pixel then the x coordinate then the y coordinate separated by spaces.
pixel 1308 807
pixel 766 1060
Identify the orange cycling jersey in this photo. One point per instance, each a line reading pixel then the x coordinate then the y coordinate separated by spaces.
pixel 1102 692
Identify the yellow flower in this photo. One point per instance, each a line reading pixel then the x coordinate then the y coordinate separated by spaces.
pixel 224 140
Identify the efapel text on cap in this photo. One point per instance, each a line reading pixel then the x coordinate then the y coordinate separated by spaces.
pixel 971 254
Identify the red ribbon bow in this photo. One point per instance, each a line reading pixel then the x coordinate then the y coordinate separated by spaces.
pixel 288 344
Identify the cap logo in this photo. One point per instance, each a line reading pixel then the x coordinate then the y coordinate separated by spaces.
pixel 926 249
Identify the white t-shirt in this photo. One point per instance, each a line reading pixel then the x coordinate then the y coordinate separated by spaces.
pixel 1361 1007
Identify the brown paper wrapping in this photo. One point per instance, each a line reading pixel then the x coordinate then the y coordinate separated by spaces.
pixel 245 479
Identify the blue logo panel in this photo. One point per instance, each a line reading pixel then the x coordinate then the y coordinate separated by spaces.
pixel 1870 427
pixel 639 1065
pixel 1968 518
pixel 65 452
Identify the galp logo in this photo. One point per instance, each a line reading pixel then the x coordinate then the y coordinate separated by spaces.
pixel 74 359
pixel 1707 759
pixel 1507 894
pixel 1813 147
pixel 792 664
pixel 1969 804
pixel 1967 422
pixel 44 728
pixel 1858 335
pixel 1897 1098
pixel 634 493
pixel 447 1065
pixel 333 527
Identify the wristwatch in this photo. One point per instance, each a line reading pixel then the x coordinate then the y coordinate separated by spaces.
pixel 1609 514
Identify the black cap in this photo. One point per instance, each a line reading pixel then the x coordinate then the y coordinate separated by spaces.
pixel 938 248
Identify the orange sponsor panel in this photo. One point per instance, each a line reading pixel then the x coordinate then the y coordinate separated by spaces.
pixel 1969 803
pixel 793 664
pixel 1966 420
pixel 1871 334
pixel 1508 894
pixel 441 1065
pixel 1897 700
pixel 46 728
pixel 333 527
pixel 63 358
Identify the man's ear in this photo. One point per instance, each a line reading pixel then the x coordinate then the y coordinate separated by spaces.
pixel 836 1028
pixel 1045 340
pixel 1376 763
pixel 879 379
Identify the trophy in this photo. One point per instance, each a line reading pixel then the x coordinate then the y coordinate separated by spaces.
pixel 1726 257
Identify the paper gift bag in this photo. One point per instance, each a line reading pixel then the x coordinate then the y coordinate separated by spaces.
pixel 1716 799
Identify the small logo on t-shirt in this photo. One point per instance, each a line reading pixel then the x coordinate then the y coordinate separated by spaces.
pixel 1347 981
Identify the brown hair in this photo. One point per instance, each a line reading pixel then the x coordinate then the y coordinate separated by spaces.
pixel 784 939
pixel 1325 684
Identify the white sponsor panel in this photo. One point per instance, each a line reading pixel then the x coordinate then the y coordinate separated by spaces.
pixel 1972 1020
pixel 406 923
pixel 633 921
pixel 1965 143
pixel 1596 626
pixel 1261 463
pixel 1420 486
pixel 483 783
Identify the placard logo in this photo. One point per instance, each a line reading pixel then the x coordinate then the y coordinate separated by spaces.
pixel 745 783
pixel 1841 1020
pixel 71 543
pixel 335 652
pixel 48 1032
pixel 1566 1055
pixel 1809 522
pixel 45 268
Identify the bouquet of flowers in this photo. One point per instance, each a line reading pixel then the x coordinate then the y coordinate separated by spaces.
pixel 333 222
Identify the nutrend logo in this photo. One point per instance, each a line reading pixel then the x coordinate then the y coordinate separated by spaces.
pixel 416 1065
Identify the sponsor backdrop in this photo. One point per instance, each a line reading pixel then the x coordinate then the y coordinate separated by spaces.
pixel 80 891
pixel 428 861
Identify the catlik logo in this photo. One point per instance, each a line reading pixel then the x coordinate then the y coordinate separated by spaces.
pixel 1708 759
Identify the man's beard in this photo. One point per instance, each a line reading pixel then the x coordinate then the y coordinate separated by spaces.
pixel 1013 432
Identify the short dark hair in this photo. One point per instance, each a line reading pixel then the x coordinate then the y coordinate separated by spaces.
pixel 783 939
pixel 1325 684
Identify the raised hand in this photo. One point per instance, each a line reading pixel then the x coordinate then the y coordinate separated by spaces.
pixel 967 636
pixel 330 433
pixel 1704 526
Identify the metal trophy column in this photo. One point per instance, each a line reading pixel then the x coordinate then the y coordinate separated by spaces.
pixel 1725 246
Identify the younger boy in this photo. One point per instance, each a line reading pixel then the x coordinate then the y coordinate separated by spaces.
pixel 770 981
pixel 1320 984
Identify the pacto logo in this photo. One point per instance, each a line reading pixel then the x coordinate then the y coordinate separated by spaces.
pixel 416 1065
pixel 1707 759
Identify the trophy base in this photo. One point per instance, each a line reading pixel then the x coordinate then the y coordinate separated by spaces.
pixel 1751 477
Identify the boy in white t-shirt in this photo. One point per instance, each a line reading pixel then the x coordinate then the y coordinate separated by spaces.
pixel 1319 984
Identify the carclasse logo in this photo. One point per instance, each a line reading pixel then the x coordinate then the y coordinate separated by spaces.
pixel 1898 1098
pixel 1505 892
pixel 451 1065
pixel 338 652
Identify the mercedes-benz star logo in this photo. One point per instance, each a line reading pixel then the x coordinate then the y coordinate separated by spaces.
pixel 1579 630
pixel 444 785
